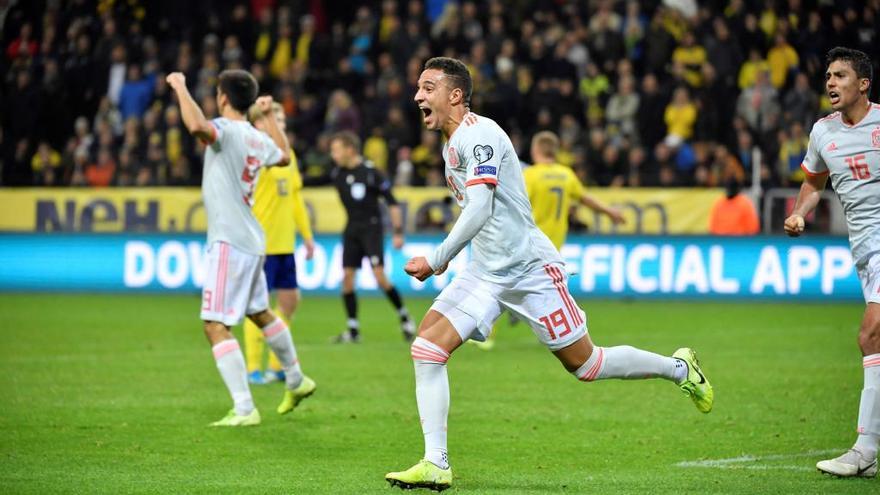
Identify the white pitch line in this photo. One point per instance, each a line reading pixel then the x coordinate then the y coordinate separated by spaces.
pixel 742 462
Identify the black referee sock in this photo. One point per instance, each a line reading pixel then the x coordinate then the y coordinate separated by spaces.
pixel 350 300
pixel 395 299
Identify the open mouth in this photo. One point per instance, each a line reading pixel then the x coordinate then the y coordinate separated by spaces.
pixel 426 112
pixel 834 96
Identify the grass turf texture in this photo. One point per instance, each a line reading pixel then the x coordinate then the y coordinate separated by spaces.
pixel 112 394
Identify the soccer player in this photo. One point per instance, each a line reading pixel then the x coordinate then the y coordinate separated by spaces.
pixel 360 186
pixel 552 187
pixel 513 267
pixel 846 146
pixel 279 207
pixel 235 284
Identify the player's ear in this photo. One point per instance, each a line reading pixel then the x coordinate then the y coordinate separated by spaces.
pixel 456 96
pixel 864 84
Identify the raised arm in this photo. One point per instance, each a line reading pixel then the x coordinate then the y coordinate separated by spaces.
pixel 264 103
pixel 807 199
pixel 192 115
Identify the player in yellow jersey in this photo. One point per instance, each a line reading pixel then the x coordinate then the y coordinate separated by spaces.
pixel 552 188
pixel 279 207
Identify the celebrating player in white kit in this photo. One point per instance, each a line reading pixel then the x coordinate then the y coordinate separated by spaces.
pixel 513 266
pixel 846 146
pixel 235 284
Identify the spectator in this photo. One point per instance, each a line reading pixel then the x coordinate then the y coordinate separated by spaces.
pixel 680 116
pixel 801 104
pixel 723 52
pixel 782 60
pixel 734 214
pixel 748 72
pixel 23 46
pixel 792 150
pixel 46 165
pixel 100 173
pixel 692 56
pixel 650 117
pixel 426 157
pixel 376 150
pixel 136 93
pixel 759 105
pixel 342 115
pixel 622 108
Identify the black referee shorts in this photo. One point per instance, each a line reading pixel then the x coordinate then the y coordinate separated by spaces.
pixel 358 242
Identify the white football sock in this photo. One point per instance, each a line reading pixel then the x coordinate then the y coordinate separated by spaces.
pixel 627 362
pixel 230 363
pixel 432 396
pixel 869 408
pixel 278 337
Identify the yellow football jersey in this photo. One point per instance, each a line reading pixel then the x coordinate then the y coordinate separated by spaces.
pixel 279 207
pixel 552 188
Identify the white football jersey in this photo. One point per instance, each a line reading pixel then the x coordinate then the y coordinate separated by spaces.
pixel 232 162
pixel 510 244
pixel 851 154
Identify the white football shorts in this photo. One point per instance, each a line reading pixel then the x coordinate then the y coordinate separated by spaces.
pixel 869 276
pixel 235 285
pixel 540 298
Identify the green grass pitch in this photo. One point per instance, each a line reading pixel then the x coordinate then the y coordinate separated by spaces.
pixel 112 394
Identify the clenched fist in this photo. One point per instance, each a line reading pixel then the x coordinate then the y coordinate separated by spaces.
pixel 264 103
pixel 794 225
pixel 176 80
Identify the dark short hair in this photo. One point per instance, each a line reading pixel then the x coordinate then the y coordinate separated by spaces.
pixel 240 87
pixel 349 139
pixel 457 72
pixel 858 60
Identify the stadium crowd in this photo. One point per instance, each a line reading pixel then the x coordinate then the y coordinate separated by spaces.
pixel 640 93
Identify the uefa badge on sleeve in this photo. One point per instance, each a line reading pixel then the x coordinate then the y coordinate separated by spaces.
pixel 875 137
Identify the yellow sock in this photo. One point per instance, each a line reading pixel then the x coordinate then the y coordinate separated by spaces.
pixel 253 346
pixel 274 363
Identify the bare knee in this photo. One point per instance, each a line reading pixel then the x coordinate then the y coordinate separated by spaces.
pixel 216 332
pixel 438 330
pixel 262 318
pixel 288 301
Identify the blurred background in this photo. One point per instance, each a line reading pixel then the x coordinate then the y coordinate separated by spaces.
pixel 662 108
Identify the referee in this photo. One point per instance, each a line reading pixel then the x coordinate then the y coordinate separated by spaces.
pixel 360 186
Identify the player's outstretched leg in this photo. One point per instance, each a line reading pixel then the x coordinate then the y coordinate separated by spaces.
pixel 278 337
pixel 230 364
pixel 627 362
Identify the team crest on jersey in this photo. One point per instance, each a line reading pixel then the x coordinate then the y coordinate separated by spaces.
pixel 453 157
pixel 875 137
pixel 483 153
